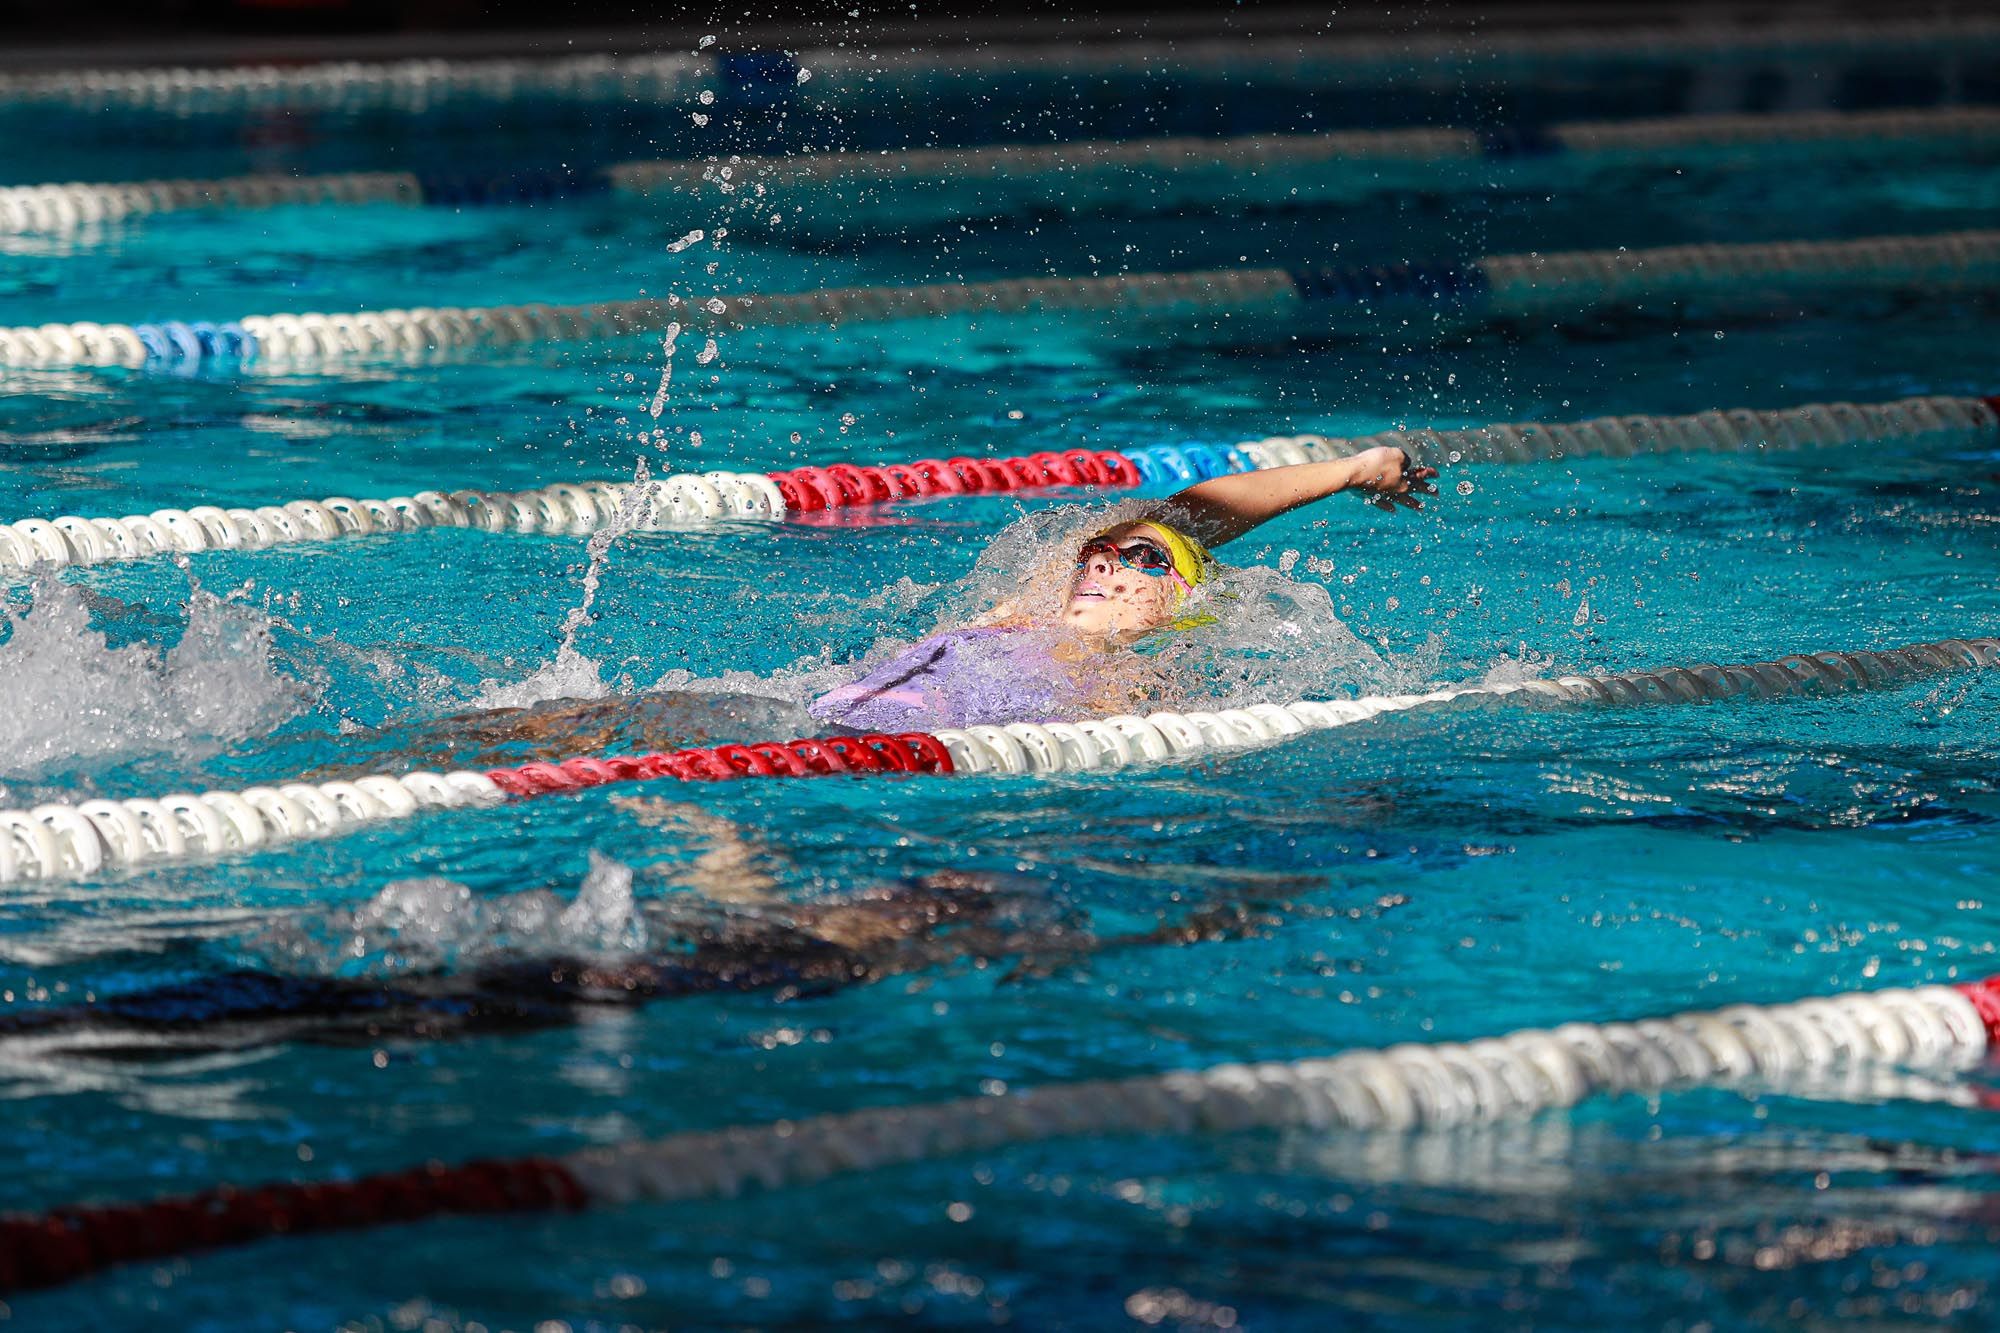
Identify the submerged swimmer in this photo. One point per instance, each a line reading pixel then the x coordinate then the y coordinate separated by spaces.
pixel 931 922
pixel 1036 657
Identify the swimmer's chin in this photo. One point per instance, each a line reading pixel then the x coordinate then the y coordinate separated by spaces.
pixel 1089 623
pixel 1090 617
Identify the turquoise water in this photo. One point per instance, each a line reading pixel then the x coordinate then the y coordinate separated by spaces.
pixel 1444 875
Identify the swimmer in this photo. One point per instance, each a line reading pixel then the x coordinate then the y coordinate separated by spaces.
pixel 1071 654
pixel 786 951
pixel 1131 581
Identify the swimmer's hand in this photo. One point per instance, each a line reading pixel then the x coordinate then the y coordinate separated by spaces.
pixel 1389 477
pixel 1222 509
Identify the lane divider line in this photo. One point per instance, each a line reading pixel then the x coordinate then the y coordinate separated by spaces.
pixel 919 185
pixel 1408 1087
pixel 1496 286
pixel 847 75
pixel 51 842
pixel 690 499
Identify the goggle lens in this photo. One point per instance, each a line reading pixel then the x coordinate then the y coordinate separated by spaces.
pixel 1143 556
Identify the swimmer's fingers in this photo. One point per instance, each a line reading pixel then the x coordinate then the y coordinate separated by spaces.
pixel 1403 488
pixel 1414 479
pixel 1417 482
pixel 1408 476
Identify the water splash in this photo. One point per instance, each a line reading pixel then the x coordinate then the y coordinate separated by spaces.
pixel 574 675
pixel 1524 664
pixel 659 403
pixel 440 925
pixel 1274 638
pixel 71 695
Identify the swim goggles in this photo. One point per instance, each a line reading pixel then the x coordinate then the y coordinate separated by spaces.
pixel 1146 557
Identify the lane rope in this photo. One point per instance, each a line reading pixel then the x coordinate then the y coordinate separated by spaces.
pixel 412 86
pixel 54 841
pixel 1408 1087
pixel 1148 175
pixel 1291 60
pixel 1497 286
pixel 690 499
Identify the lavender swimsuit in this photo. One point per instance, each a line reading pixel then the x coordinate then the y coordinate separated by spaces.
pixel 963 677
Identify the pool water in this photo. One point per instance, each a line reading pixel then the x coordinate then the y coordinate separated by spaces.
pixel 1441 875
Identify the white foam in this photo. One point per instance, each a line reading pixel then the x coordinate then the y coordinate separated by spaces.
pixel 70 695
pixel 436 924
pixel 572 675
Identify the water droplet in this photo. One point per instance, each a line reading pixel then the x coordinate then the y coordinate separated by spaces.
pixel 1464 488
pixel 666 371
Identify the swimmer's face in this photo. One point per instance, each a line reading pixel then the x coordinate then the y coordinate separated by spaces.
pixel 1125 583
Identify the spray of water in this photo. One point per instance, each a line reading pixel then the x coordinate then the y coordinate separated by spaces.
pixel 71 696
pixel 659 403
pixel 439 925
pixel 573 674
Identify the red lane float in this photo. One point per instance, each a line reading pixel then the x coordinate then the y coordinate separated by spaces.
pixel 73 842
pixel 70 1243
pixel 842 485
pixel 909 752
pixel 817 493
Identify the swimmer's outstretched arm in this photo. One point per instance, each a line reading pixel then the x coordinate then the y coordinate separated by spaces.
pixel 1224 508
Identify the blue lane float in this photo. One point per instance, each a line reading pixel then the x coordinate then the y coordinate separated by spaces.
pixel 684 500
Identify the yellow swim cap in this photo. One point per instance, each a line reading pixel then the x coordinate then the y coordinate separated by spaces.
pixel 1191 559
